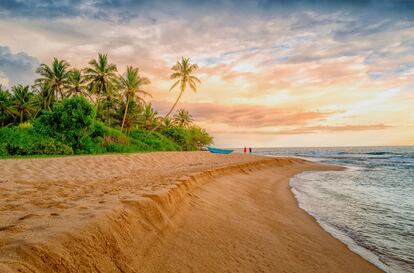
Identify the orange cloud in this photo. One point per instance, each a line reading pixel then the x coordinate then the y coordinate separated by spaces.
pixel 313 129
pixel 251 116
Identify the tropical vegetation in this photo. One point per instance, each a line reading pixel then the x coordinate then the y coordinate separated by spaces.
pixel 95 110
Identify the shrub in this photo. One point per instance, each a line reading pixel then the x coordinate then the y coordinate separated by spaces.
pixel 25 141
pixel 155 140
pixel 190 139
pixel 198 138
pixel 3 149
pixel 177 134
pixel 70 121
pixel 113 140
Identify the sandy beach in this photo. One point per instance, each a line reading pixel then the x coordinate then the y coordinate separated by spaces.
pixel 162 212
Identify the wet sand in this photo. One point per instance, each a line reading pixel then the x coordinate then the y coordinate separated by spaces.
pixel 162 212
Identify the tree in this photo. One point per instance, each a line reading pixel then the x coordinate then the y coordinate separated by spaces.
pixel 22 103
pixel 69 121
pixel 183 118
pixel 167 123
pixel 183 72
pixel 100 76
pixel 75 84
pixel 131 84
pixel 55 77
pixel 109 105
pixel 44 97
pixel 148 118
pixel 6 116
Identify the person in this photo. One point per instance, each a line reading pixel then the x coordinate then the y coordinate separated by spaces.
pixel 250 150
pixel 245 150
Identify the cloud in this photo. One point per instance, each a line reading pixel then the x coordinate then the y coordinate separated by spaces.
pixel 123 10
pixel 312 130
pixel 16 68
pixel 247 116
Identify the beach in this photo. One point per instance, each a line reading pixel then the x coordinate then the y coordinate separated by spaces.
pixel 162 212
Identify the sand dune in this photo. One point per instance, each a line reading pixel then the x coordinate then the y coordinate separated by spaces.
pixel 157 213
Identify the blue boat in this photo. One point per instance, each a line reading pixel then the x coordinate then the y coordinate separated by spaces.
pixel 219 151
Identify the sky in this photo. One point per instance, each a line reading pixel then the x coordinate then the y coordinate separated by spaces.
pixel 299 73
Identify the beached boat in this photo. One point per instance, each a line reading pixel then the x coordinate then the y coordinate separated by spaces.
pixel 219 151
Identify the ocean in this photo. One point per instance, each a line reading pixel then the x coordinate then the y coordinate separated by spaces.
pixel 369 206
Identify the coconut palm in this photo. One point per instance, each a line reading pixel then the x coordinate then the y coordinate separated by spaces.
pixel 44 97
pixel 100 76
pixel 167 123
pixel 148 118
pixel 6 116
pixel 76 84
pixel 183 73
pixel 22 103
pixel 183 118
pixel 109 104
pixel 131 84
pixel 56 76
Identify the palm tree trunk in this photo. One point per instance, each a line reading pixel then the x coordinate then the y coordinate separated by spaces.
pixel 175 103
pixel 109 116
pixel 169 112
pixel 97 107
pixel 125 113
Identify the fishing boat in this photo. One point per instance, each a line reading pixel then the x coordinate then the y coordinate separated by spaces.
pixel 219 151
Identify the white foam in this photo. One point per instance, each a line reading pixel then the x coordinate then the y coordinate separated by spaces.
pixel 352 245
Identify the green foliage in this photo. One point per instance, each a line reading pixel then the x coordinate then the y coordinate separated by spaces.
pixel 70 121
pixel 25 141
pixel 26 125
pixel 113 140
pixel 94 110
pixel 155 140
pixel 189 139
pixel 6 117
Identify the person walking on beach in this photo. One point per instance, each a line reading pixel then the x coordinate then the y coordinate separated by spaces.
pixel 245 150
pixel 250 150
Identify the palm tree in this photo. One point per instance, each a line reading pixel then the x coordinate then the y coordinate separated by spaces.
pixel 101 76
pixel 44 97
pixel 109 104
pixel 76 84
pixel 22 105
pixel 183 72
pixel 183 118
pixel 6 116
pixel 56 77
pixel 167 123
pixel 148 119
pixel 131 84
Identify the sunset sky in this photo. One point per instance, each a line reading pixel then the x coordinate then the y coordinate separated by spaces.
pixel 274 73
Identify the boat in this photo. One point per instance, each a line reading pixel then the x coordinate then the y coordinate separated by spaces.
pixel 219 151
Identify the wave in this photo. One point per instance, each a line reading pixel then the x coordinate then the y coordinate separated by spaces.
pixel 341 233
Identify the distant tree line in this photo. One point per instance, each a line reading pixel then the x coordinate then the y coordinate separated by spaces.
pixel 95 110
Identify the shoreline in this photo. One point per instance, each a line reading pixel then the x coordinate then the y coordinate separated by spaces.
pixel 340 234
pixel 129 228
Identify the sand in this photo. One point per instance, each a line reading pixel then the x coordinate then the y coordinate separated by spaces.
pixel 162 212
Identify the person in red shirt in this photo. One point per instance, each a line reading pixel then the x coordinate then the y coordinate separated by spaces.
pixel 245 150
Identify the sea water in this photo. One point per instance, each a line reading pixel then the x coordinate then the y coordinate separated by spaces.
pixel 369 206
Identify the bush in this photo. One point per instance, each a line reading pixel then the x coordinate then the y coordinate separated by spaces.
pixel 113 140
pixel 179 135
pixel 190 139
pixel 70 121
pixel 3 149
pixel 155 140
pixel 25 141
